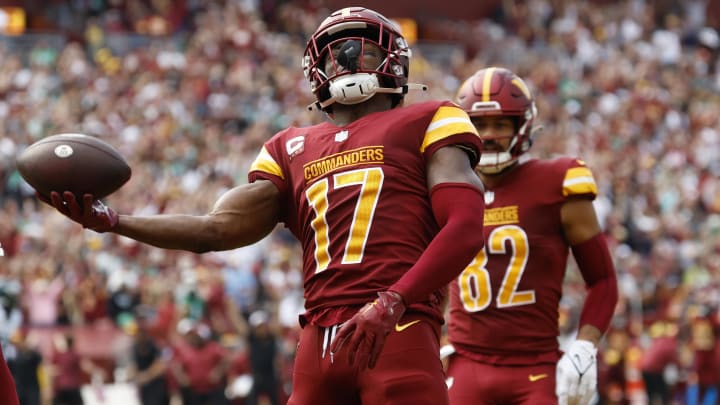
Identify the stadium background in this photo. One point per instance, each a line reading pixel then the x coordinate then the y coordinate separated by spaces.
pixel 188 91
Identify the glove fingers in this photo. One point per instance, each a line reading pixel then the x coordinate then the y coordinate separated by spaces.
pixel 377 347
pixel 363 353
pixel 344 333
pixel 87 207
pixel 587 391
pixel 353 346
pixel 572 391
pixel 73 206
pixel 58 203
pixel 585 400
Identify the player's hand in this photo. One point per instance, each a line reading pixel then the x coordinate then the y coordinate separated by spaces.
pixel 576 375
pixel 92 215
pixel 366 331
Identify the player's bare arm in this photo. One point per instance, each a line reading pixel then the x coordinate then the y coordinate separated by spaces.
pixel 579 220
pixel 450 165
pixel 242 216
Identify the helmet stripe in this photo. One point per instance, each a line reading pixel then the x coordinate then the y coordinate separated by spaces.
pixel 521 85
pixel 487 82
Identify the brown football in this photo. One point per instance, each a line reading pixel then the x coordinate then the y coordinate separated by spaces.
pixel 78 163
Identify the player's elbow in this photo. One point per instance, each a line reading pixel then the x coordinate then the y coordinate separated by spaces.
pixel 214 235
pixel 226 232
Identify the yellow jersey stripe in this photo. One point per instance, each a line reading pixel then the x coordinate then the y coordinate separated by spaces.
pixel 447 121
pixel 579 180
pixel 575 172
pixel 264 162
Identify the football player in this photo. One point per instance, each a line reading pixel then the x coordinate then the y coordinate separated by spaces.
pixel 503 320
pixel 382 198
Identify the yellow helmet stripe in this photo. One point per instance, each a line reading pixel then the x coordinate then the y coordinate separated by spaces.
pixel 521 85
pixel 487 82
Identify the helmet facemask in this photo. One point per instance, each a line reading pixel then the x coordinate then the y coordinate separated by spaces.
pixel 335 65
pixel 493 162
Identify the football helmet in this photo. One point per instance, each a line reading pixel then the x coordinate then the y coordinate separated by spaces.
pixel 500 92
pixel 346 80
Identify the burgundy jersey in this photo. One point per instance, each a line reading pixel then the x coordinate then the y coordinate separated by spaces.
pixel 504 305
pixel 357 199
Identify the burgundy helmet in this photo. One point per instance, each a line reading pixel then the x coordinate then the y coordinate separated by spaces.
pixel 500 92
pixel 354 27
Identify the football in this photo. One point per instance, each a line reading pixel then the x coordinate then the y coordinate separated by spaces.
pixel 78 163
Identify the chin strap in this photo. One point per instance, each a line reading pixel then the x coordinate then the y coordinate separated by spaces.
pixel 398 90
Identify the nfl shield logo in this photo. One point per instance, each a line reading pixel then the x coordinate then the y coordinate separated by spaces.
pixel 341 136
pixel 489 197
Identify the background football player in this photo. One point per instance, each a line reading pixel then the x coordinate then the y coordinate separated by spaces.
pixel 504 306
pixel 381 198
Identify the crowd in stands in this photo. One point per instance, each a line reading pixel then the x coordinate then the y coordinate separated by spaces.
pixel 631 87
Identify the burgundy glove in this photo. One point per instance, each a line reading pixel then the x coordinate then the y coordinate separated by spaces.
pixel 92 215
pixel 367 330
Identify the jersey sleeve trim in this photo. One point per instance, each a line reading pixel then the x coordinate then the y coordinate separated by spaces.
pixel 579 181
pixel 447 121
pixel 265 163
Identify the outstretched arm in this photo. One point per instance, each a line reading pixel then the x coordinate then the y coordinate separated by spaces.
pixel 242 216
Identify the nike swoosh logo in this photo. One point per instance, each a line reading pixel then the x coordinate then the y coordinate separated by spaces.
pixel 400 328
pixel 535 377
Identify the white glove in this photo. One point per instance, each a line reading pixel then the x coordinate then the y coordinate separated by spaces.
pixel 576 375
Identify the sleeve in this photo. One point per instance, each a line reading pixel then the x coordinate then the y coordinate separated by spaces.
pixel 598 271
pixel 266 167
pixel 457 207
pixel 450 125
pixel 578 180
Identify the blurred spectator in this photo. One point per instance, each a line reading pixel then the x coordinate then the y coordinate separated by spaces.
pixel 702 387
pixel 69 371
pixel 25 368
pixel 263 349
pixel 612 369
pixel 200 367
pixel 122 305
pixel 659 359
pixel 159 315
pixel 92 299
pixel 11 317
pixel 222 314
pixel 148 369
pixel 41 299
pixel 240 380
